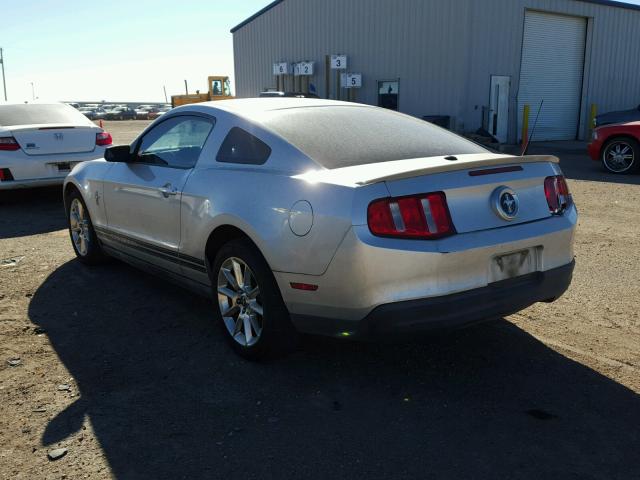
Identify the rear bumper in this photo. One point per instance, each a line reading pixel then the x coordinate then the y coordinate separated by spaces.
pixel 31 183
pixel 496 300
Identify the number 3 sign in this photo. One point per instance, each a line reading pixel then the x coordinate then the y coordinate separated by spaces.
pixel 338 62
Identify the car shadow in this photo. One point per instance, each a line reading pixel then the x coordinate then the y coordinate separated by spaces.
pixel 31 211
pixel 167 398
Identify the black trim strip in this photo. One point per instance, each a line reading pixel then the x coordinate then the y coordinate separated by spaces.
pixel 156 267
pixel 164 253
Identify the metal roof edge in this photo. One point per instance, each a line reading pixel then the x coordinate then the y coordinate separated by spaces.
pixel 256 15
pixel 607 3
pixel 614 3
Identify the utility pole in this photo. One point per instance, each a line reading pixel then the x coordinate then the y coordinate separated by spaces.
pixel 186 88
pixel 33 92
pixel 4 80
pixel 164 87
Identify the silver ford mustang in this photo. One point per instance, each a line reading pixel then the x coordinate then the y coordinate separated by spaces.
pixel 325 217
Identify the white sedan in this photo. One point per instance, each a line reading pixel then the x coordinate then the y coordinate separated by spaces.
pixel 41 142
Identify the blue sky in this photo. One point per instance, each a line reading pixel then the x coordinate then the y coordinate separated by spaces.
pixel 115 49
pixel 118 50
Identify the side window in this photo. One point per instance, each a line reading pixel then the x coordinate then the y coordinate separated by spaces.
pixel 176 142
pixel 216 87
pixel 240 146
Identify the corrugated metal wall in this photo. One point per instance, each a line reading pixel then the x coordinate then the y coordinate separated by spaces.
pixel 443 51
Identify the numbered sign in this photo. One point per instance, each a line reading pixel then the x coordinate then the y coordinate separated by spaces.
pixel 281 68
pixel 351 80
pixel 338 62
pixel 303 68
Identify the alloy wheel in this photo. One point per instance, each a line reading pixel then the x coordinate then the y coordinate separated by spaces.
pixel 239 301
pixel 619 157
pixel 79 225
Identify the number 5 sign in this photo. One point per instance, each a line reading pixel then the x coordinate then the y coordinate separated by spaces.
pixel 338 62
pixel 351 80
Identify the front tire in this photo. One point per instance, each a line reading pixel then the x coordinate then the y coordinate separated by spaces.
pixel 248 303
pixel 83 236
pixel 621 155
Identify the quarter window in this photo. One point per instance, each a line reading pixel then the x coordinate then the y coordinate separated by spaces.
pixel 176 142
pixel 240 146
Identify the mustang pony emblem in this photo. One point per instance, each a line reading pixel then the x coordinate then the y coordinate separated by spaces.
pixel 505 203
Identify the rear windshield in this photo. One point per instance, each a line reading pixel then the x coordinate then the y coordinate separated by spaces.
pixel 33 114
pixel 344 136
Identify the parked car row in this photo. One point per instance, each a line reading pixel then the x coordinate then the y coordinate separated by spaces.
pixel 505 222
pixel 121 112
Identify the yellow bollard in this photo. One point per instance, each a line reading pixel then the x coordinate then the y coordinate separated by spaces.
pixel 525 125
pixel 592 117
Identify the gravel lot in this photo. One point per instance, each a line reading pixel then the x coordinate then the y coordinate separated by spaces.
pixel 130 375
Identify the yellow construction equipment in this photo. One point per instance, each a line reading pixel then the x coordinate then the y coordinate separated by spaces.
pixel 219 89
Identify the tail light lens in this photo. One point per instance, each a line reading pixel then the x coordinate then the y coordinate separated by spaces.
pixel 557 192
pixel 425 216
pixel 9 144
pixel 5 175
pixel 103 138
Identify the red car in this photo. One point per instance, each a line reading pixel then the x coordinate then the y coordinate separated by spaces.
pixel 617 147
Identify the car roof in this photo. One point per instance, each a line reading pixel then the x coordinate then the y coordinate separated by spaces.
pixel 35 102
pixel 252 107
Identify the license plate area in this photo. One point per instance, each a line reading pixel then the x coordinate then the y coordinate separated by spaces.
pixel 64 167
pixel 515 264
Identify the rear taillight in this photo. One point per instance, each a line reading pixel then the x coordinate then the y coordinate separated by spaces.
pixel 103 138
pixel 5 175
pixel 557 192
pixel 425 216
pixel 9 144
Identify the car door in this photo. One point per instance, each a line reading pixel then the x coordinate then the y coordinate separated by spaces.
pixel 142 197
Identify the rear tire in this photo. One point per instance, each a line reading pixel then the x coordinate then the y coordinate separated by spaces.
pixel 621 155
pixel 248 304
pixel 83 236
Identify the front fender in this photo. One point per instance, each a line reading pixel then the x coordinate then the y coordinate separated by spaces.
pixel 88 177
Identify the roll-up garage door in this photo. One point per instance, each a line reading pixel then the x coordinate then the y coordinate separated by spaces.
pixel 552 69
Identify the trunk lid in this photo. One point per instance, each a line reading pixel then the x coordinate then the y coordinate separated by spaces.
pixel 51 139
pixel 470 182
pixel 473 199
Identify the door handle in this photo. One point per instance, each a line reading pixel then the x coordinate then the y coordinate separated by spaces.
pixel 167 190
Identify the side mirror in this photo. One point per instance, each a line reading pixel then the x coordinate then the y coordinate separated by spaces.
pixel 119 153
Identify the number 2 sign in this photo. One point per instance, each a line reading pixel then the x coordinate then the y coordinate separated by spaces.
pixel 303 68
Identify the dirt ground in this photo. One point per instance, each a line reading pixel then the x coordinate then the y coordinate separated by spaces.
pixel 131 376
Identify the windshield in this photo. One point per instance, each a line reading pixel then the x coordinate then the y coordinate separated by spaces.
pixel 35 114
pixel 344 136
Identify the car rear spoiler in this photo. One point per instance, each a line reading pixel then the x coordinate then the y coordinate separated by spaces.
pixel 448 164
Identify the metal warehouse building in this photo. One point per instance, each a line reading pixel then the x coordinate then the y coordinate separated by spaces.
pixel 477 62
